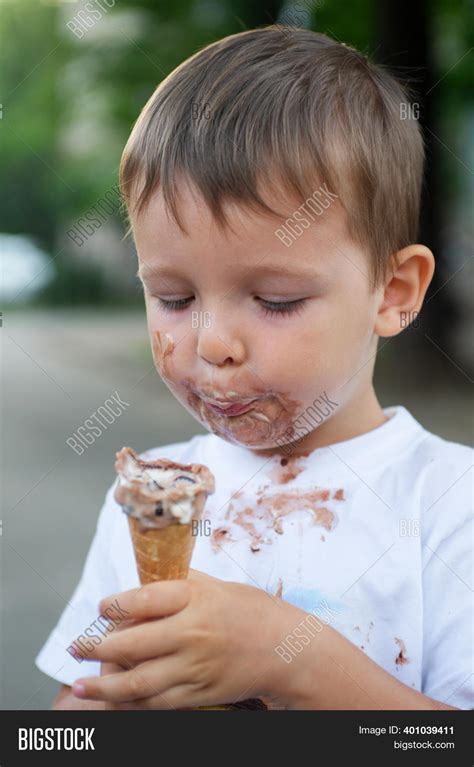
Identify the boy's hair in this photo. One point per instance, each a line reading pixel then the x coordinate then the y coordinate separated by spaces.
pixel 285 110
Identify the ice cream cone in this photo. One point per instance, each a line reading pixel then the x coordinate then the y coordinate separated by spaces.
pixel 164 553
pixel 163 521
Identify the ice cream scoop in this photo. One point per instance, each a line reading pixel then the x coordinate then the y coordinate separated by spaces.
pixel 160 493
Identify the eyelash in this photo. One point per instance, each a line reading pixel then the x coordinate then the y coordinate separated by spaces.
pixel 171 306
pixel 285 308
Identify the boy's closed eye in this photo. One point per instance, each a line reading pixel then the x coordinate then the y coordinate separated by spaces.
pixel 282 308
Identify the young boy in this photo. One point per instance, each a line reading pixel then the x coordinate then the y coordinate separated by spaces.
pixel 273 190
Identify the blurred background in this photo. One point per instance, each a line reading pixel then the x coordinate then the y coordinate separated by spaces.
pixel 75 76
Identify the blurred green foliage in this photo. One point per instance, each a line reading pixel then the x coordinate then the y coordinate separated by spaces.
pixel 69 104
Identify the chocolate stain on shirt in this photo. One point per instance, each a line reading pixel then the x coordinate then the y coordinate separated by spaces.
pixel 243 519
pixel 277 507
pixel 270 511
pixel 246 520
pixel 218 536
pixel 287 469
pixel 367 636
pixel 371 625
pixel 401 659
pixel 279 589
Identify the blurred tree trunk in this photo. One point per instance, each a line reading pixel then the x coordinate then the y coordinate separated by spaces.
pixel 404 44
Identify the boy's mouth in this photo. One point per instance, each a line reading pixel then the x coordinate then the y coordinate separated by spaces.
pixel 230 409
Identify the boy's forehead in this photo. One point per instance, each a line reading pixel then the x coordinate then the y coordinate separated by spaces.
pixel 196 216
pixel 250 239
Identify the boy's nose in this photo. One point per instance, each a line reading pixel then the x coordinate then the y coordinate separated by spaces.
pixel 219 347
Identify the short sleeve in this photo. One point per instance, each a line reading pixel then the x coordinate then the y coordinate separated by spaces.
pixel 96 582
pixel 448 617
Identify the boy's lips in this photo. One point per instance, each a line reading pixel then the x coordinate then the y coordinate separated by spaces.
pixel 232 409
pixel 228 407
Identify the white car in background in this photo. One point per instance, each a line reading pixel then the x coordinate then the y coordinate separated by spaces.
pixel 25 268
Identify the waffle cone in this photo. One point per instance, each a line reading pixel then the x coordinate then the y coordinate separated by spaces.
pixel 162 554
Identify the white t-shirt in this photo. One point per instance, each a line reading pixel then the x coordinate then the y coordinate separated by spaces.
pixel 373 535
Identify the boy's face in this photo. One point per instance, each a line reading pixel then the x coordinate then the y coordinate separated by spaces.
pixel 267 343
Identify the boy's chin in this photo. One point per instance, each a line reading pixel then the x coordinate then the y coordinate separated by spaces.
pixel 253 442
pixel 273 450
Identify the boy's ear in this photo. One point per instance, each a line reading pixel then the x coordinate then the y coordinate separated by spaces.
pixel 404 290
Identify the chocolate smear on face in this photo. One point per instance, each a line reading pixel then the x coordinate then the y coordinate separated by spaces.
pixel 162 347
pixel 268 422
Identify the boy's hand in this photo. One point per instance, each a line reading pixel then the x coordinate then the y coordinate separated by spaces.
pixel 105 670
pixel 193 643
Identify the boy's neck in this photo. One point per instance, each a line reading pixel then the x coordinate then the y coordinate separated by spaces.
pixel 359 416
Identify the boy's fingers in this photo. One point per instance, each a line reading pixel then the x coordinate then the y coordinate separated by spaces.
pixel 146 680
pixel 155 600
pixel 173 699
pixel 110 668
pixel 198 575
pixel 138 643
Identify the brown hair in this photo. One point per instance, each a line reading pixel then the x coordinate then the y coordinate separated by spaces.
pixel 290 107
